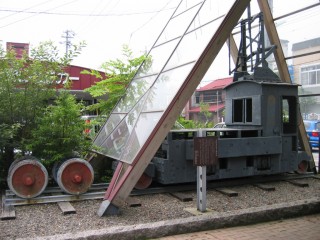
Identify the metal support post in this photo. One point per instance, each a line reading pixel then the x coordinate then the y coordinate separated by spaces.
pixel 201 188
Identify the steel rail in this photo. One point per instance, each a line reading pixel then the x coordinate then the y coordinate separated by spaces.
pixel 55 195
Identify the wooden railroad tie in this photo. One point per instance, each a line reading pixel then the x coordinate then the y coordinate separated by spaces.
pixel 183 197
pixel 133 202
pixel 298 183
pixel 316 177
pixel 265 187
pixel 65 207
pixel 228 192
pixel 8 211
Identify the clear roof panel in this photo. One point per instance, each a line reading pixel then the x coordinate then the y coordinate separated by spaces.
pixel 114 143
pixel 176 27
pixel 135 91
pixel 109 126
pixel 164 89
pixel 139 136
pixel 158 58
pixel 151 92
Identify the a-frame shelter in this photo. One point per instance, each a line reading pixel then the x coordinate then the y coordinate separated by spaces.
pixel 178 61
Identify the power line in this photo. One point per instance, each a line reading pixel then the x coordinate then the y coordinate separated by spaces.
pixel 83 14
pixel 93 19
pixel 35 13
pixel 16 12
pixel 150 19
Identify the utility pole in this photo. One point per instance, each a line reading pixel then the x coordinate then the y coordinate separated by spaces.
pixel 68 35
pixel 218 106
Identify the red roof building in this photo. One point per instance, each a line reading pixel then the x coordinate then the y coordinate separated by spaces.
pixel 214 95
pixel 18 48
pixel 79 81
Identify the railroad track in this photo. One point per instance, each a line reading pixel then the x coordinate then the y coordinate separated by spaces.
pixel 97 191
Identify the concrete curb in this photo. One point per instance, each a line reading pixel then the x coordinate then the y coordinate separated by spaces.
pixel 198 223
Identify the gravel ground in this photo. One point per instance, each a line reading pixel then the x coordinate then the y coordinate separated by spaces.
pixel 47 219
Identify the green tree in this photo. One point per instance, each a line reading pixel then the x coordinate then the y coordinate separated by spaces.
pixel 188 124
pixel 59 133
pixel 119 73
pixel 26 85
pixel 204 110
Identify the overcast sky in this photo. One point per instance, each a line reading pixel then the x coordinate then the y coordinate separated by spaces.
pixel 108 24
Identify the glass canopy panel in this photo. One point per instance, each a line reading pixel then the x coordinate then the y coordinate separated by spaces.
pixel 290 29
pixel 280 8
pixel 146 121
pixel 195 40
pixel 158 57
pixel 127 139
pixel 116 141
pixel 112 123
pixel 135 91
pixel 185 5
pixel 163 91
pixel 211 11
pixel 178 25
pixel 159 96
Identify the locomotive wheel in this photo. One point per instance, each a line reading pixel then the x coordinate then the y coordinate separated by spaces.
pixel 27 178
pixel 143 182
pixel 75 176
pixel 303 166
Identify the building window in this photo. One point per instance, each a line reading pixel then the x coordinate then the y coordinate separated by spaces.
pixel 242 110
pixel 198 100
pixel 208 97
pixel 310 75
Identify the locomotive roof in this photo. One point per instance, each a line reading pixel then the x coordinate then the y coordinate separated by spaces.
pixel 263 83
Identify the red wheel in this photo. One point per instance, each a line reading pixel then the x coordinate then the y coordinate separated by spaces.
pixel 75 176
pixel 303 166
pixel 27 178
pixel 143 182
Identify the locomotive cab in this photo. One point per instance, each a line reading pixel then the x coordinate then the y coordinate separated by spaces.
pixel 265 115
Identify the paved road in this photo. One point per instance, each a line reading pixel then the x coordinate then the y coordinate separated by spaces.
pixel 306 228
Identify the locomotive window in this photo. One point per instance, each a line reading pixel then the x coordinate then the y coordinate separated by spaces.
pixel 242 110
pixel 289 114
pixel 238 110
pixel 248 110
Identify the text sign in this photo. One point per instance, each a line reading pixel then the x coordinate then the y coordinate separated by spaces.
pixel 205 151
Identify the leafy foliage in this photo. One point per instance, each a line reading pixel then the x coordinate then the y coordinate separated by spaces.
pixel 59 133
pixel 204 110
pixel 188 124
pixel 26 86
pixel 119 73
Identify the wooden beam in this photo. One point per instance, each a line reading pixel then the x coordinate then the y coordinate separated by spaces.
pixel 233 49
pixel 284 72
pixel 8 211
pixel 66 208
